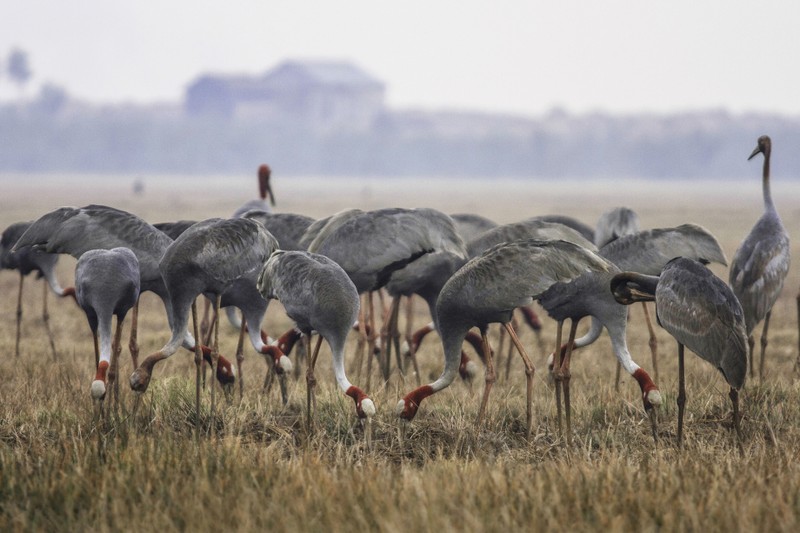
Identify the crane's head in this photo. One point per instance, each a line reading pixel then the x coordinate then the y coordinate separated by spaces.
pixel 365 407
pixel 631 287
pixel 140 379
pixel 764 146
pixel 264 188
pixel 407 407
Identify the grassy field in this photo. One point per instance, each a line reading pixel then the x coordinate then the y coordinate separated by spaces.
pixel 64 469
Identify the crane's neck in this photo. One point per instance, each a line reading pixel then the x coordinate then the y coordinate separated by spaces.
pixel 768 205
pixel 452 339
pixel 617 330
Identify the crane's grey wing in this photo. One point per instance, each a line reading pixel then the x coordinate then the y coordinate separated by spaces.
pixel 470 225
pixel 701 312
pixel 758 272
pixel 373 245
pixel 319 231
pixel 615 223
pixel 584 229
pixel 228 248
pixel 515 273
pixel 174 229
pixel 76 230
pixel 42 229
pixel 288 228
pixel 527 229
pixel 648 251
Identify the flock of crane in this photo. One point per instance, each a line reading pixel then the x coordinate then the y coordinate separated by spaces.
pixel 470 271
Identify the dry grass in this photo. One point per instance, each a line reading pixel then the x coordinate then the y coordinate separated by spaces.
pixel 62 468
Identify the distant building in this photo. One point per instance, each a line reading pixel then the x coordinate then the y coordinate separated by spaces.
pixel 318 94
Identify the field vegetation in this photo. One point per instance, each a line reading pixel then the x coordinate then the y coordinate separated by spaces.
pixel 64 467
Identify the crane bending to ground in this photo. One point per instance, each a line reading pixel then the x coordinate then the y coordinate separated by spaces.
pixel 106 285
pixel 488 288
pixel 701 312
pixel 319 296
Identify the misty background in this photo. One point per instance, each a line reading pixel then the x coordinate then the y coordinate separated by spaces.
pixel 330 117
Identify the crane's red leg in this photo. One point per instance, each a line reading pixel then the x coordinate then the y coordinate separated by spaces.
pixel 240 356
pixel 529 372
pixel 556 367
pixel 363 339
pixel 501 344
pixel 565 376
pixel 653 340
pixel 681 394
pixel 19 313
pixel 388 332
pixel 133 344
pixel 510 353
pixel 734 395
pixel 797 361
pixel 489 378
pixel 113 376
pixel 372 335
pixel 215 359
pixel 198 359
pixel 46 320
pixel 409 318
pixel 751 344
pixel 311 382
pixel 764 333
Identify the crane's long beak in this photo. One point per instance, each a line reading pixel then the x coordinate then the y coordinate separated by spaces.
pixel 755 152
pixel 271 195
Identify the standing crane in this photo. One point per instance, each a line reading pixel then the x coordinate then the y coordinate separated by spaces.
pixel 25 261
pixel 702 313
pixel 264 194
pixel 761 263
pixel 319 296
pixel 106 284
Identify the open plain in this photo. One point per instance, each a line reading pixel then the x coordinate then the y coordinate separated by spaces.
pixel 258 467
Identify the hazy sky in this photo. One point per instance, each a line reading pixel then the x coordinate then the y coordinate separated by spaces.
pixel 502 55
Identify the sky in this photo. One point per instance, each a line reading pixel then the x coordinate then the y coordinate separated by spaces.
pixel 506 56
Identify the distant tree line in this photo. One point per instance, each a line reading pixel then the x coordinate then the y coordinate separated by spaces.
pixel 53 134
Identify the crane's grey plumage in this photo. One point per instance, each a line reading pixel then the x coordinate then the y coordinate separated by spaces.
pixel 648 251
pixel 701 312
pixel 527 229
pixel 615 223
pixel 287 228
pixel 208 258
pixel 761 262
pixel 107 284
pixel 318 231
pixel 374 245
pixel 488 288
pixel 319 296
pixel 174 229
pixel 408 251
pixel 584 229
pixel 26 260
pixel 470 225
pixel 266 198
pixel 74 231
